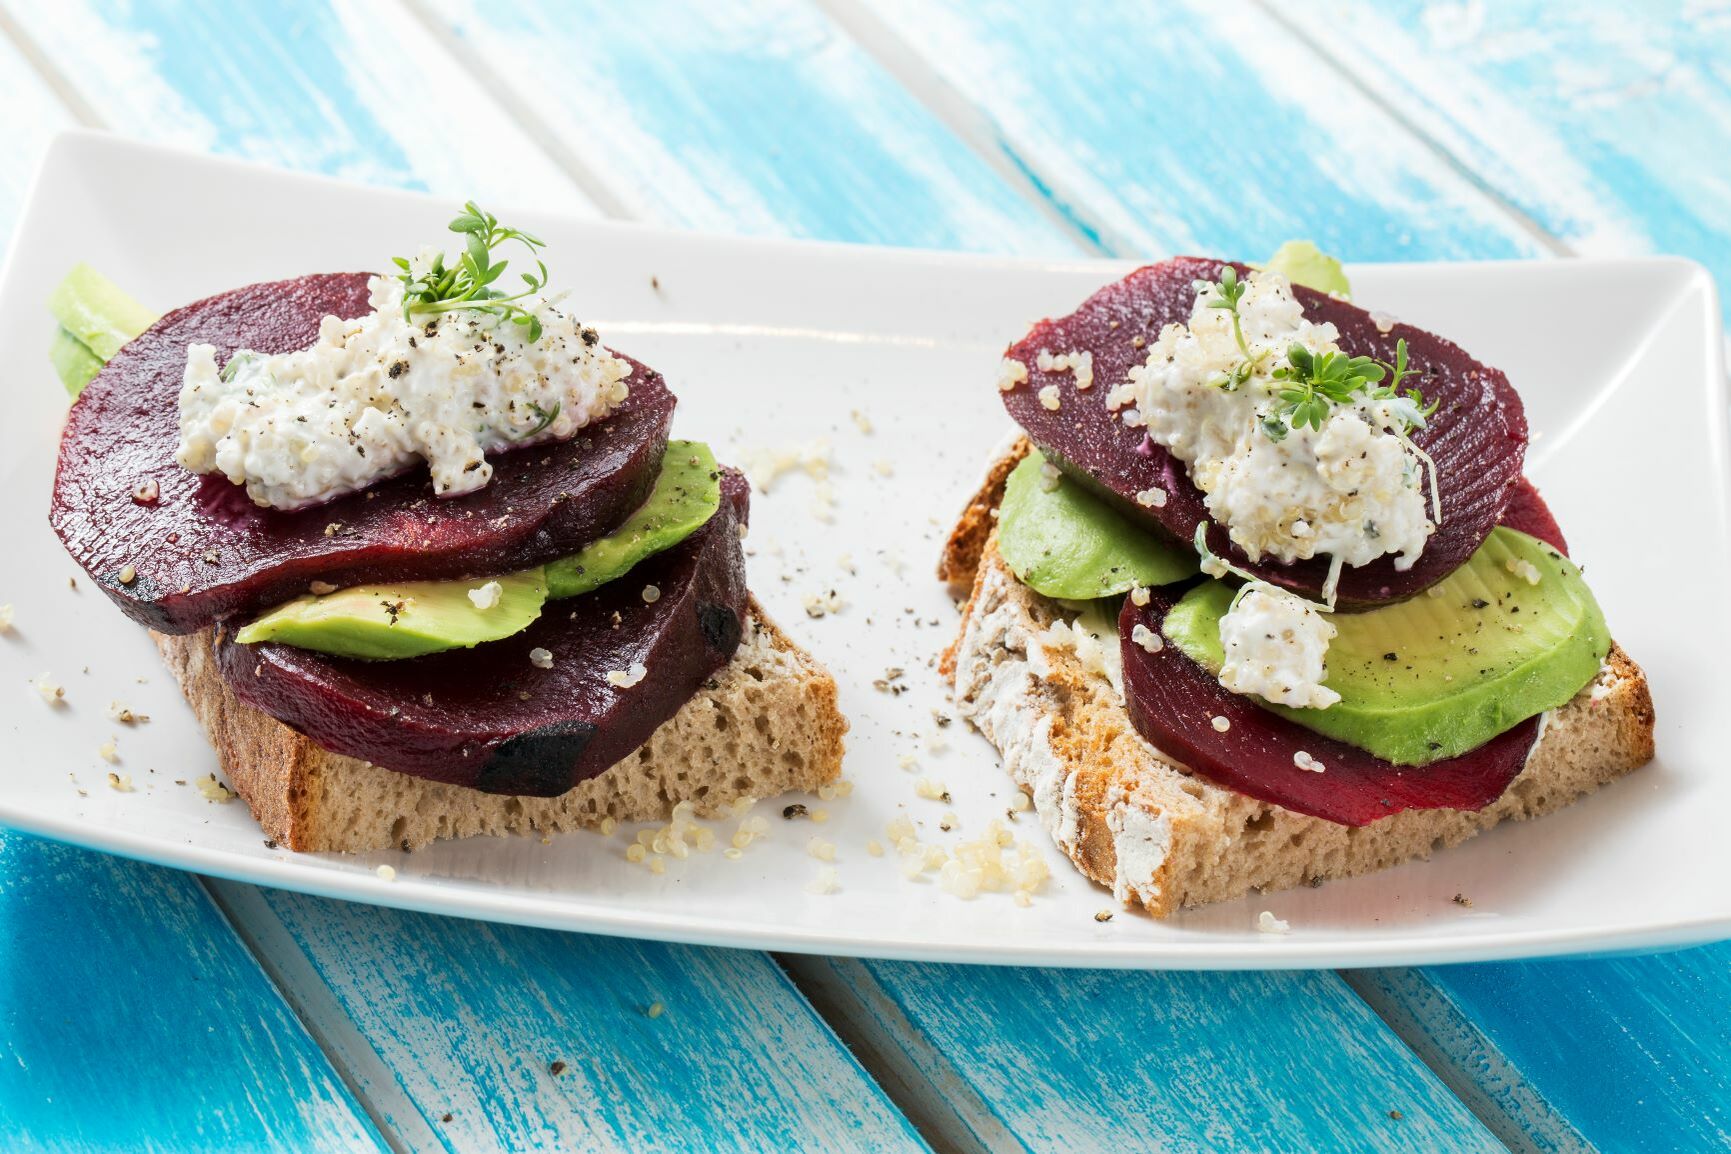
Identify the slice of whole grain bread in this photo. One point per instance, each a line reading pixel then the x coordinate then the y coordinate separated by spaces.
pixel 1133 819
pixel 765 724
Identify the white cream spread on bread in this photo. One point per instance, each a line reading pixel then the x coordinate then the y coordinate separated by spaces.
pixel 375 395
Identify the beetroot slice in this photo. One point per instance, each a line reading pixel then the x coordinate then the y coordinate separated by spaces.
pixel 1527 512
pixel 1173 701
pixel 201 550
pixel 1478 436
pixel 488 717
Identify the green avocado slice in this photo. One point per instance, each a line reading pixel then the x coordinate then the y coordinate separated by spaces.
pixel 407 619
pixel 1301 262
pixel 686 495
pixel 386 622
pixel 1443 673
pixel 73 362
pixel 96 313
pixel 1062 541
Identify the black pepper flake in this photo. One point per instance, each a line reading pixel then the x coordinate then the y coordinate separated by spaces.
pixel 1391 657
pixel 556 1068
pixel 397 369
pixel 793 811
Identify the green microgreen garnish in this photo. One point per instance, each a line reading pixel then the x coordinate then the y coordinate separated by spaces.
pixel 469 283
pixel 543 418
pixel 235 362
pixel 1227 293
pixel 1313 384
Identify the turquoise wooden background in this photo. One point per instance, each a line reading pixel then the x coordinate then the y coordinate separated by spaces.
pixel 143 1009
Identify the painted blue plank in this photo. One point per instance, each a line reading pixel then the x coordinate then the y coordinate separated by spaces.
pixel 1081 1060
pixel 1621 1053
pixel 132 1019
pixel 745 117
pixel 451 1030
pixel 1601 120
pixel 1203 128
pixel 347 88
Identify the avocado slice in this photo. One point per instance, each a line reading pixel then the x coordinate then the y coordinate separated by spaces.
pixel 1063 541
pixel 408 619
pixel 96 313
pixel 686 495
pixel 73 362
pixel 1301 262
pixel 1442 673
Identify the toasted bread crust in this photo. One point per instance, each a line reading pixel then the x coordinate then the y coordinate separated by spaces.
pixel 1135 820
pixel 766 724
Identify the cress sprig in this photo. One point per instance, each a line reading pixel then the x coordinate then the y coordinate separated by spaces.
pixel 469 283
pixel 1227 293
pixel 1312 384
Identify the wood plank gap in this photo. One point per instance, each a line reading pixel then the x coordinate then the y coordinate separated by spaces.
pixel 1523 219
pixel 528 121
pixel 1468 1063
pixel 310 998
pixel 971 125
pixel 56 81
pixel 918 1080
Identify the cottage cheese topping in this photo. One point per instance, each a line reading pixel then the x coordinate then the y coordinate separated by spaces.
pixel 1353 489
pixel 1275 644
pixel 375 395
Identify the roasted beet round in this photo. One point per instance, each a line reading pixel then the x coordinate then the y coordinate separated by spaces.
pixel 1477 438
pixel 1172 701
pixel 198 550
pixel 489 717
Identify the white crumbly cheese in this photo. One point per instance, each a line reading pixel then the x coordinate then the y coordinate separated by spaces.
pixel 376 395
pixel 1049 398
pixel 1353 489
pixel 541 658
pixel 1010 374
pixel 1267 923
pixel 1147 638
pixel 486 596
pixel 1275 645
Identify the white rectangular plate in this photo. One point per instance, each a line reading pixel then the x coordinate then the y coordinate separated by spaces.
pixel 774 345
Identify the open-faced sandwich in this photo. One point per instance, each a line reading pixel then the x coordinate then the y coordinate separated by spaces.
pixel 423 558
pixel 1262 596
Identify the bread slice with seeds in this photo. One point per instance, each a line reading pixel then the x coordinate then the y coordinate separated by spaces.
pixel 766 724
pixel 1135 820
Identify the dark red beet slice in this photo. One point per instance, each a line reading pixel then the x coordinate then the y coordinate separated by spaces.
pixel 1173 701
pixel 201 550
pixel 1528 512
pixel 489 718
pixel 1477 438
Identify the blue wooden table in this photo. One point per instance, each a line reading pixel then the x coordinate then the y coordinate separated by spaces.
pixel 145 1009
